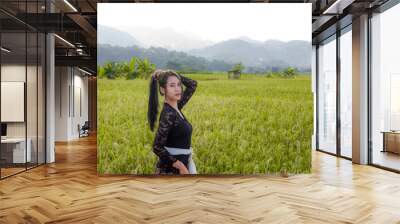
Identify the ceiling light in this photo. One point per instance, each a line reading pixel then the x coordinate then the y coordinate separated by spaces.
pixel 64 40
pixel 86 72
pixel 70 5
pixel 338 6
pixel 5 49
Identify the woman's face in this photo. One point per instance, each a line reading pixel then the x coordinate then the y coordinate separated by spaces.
pixel 173 89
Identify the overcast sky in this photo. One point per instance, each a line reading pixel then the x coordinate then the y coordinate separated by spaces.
pixel 214 21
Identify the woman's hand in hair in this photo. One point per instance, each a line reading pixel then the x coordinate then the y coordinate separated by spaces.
pixel 181 167
pixel 156 74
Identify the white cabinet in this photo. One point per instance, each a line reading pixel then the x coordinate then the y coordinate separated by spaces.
pixel 18 149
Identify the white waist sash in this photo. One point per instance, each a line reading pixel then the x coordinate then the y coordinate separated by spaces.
pixel 180 151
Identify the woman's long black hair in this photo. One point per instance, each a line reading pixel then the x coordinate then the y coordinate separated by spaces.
pixel 153 93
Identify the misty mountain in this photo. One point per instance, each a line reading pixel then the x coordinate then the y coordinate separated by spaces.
pixel 254 54
pixel 112 36
pixel 161 57
pixel 168 38
pixel 150 37
pixel 259 54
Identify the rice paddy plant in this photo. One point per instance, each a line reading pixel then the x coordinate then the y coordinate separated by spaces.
pixel 252 125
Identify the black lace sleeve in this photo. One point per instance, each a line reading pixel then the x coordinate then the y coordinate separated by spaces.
pixel 167 120
pixel 190 85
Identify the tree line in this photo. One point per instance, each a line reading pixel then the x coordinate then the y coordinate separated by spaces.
pixel 143 68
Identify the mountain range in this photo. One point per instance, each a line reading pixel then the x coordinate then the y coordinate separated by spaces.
pixel 264 55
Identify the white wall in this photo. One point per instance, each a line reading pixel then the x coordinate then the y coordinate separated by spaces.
pixel 11 73
pixel 62 81
pixel 34 124
pixel 80 84
pixel 70 83
pixel 14 72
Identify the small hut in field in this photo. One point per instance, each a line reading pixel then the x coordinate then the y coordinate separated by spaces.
pixel 234 74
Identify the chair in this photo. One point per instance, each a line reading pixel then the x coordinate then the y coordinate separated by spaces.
pixel 84 130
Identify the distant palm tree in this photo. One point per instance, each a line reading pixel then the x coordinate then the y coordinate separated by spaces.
pixel 145 68
pixel 129 70
pixel 133 73
pixel 289 72
pixel 109 70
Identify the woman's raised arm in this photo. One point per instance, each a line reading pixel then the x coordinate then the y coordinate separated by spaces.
pixel 191 86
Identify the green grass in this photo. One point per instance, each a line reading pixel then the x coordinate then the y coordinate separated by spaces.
pixel 253 125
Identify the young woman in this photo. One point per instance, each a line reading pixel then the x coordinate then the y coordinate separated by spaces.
pixel 172 143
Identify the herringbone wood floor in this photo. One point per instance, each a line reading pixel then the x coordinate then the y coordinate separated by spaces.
pixel 70 191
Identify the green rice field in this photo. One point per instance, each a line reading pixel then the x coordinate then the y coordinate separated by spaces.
pixel 252 125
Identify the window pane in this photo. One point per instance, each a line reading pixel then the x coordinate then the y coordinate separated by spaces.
pixel 346 94
pixel 327 96
pixel 14 153
pixel 386 89
pixel 31 100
